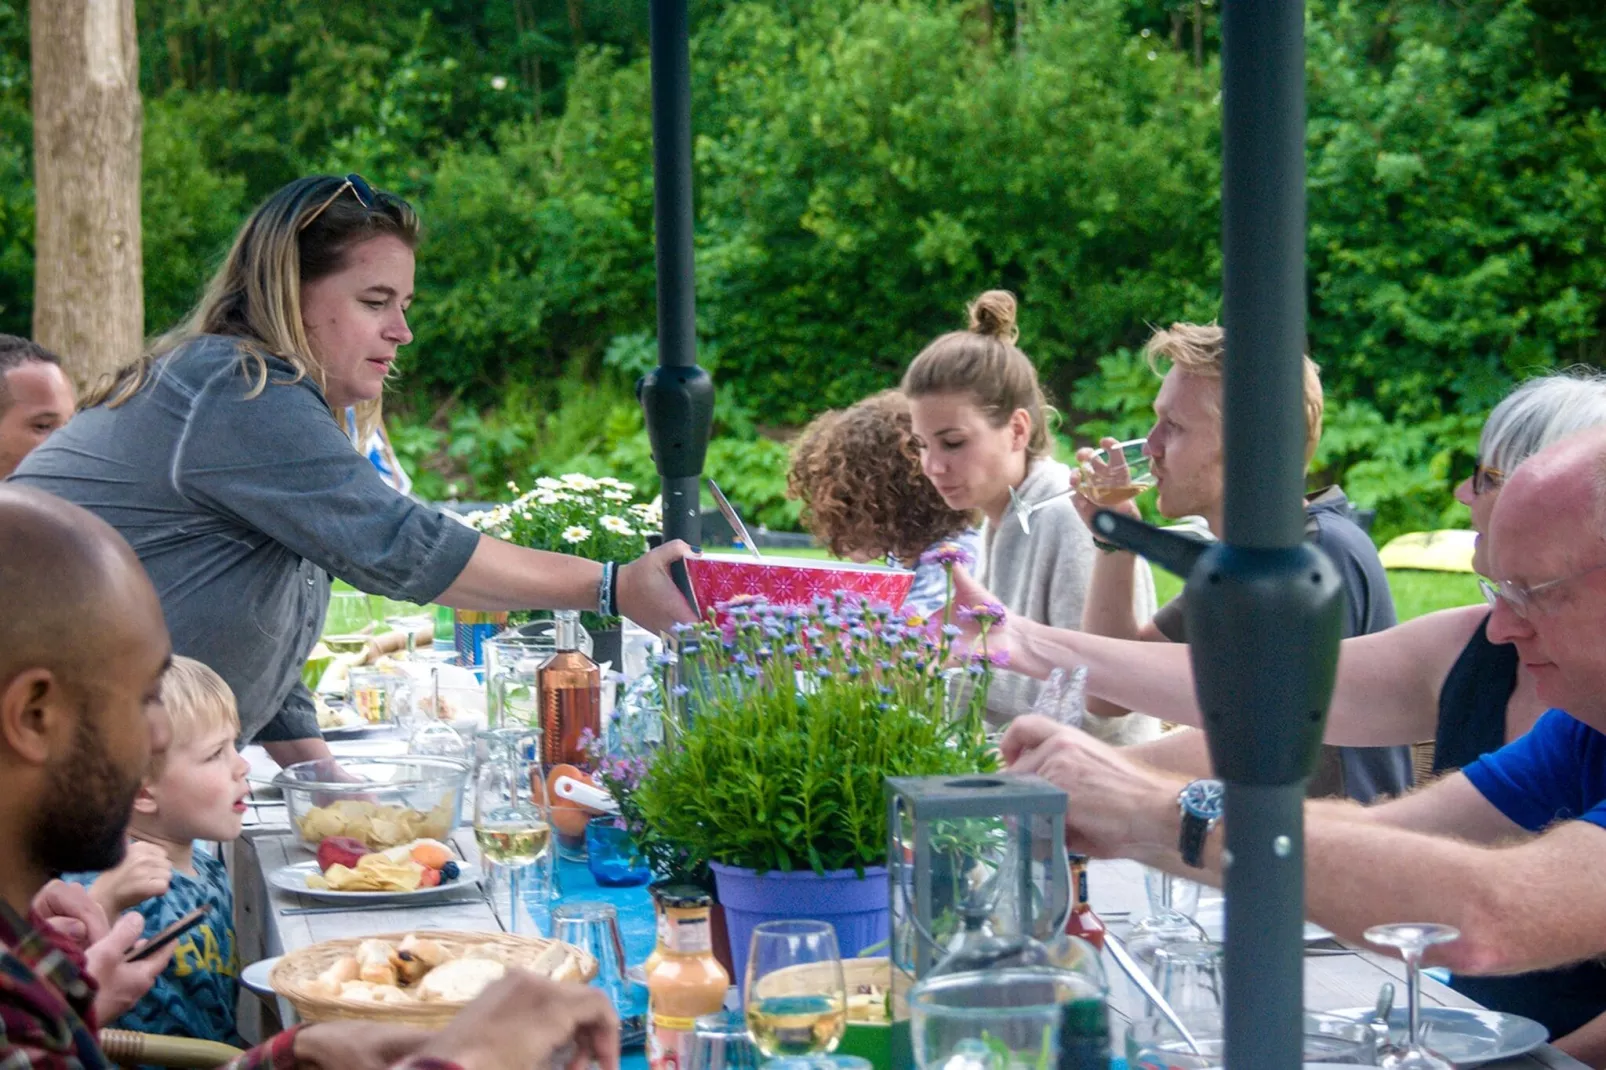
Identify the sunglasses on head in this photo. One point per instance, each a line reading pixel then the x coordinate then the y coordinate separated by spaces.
pixel 360 189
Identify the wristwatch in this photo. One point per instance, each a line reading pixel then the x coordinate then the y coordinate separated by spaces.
pixel 1201 804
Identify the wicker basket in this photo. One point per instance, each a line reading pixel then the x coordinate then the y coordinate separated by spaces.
pixel 292 973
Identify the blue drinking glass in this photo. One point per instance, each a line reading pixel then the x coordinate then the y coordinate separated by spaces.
pixel 612 856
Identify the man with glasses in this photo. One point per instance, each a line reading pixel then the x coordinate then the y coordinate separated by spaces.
pixel 1512 849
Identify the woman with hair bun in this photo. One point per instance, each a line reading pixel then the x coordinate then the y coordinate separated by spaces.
pixel 980 422
pixel 857 473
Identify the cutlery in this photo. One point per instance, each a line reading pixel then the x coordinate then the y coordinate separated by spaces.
pixel 1123 958
pixel 735 521
pixel 300 912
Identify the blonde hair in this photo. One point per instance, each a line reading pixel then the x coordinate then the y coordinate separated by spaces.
pixel 984 363
pixel 1200 349
pixel 198 703
pixel 255 297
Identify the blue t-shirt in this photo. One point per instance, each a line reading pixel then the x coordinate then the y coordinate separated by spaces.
pixel 1556 772
pixel 195 996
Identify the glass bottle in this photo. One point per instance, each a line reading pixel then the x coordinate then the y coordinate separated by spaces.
pixel 684 980
pixel 570 686
pixel 1083 922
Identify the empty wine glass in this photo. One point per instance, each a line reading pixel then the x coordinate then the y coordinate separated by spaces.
pixel 1172 903
pixel 797 999
pixel 1411 939
pixel 511 819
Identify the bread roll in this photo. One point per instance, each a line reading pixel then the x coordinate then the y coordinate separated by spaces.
pixel 373 962
pixel 459 981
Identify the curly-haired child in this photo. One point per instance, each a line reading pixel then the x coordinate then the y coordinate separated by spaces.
pixel 857 473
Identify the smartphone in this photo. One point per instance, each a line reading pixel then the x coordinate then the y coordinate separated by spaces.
pixel 167 935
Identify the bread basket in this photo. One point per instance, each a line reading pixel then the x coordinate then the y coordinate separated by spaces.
pixel 292 974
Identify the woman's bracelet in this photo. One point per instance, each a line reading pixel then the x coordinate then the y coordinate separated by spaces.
pixel 608 591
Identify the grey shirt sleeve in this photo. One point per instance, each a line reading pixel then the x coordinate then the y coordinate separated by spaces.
pixel 280 464
pixel 297 718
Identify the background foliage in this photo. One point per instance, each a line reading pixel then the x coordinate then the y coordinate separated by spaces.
pixel 863 168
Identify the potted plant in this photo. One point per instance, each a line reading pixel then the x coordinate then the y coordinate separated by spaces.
pixel 772 763
pixel 595 518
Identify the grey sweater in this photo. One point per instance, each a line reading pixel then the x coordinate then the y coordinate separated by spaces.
pixel 1044 576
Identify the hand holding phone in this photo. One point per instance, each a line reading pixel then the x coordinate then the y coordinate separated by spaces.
pixel 167 935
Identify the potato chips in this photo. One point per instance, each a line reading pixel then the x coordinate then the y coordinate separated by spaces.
pixel 375 824
pixel 373 873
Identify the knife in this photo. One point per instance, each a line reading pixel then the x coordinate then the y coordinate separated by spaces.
pixel 1123 958
pixel 733 520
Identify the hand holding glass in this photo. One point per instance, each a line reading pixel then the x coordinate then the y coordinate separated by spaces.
pixel 1117 474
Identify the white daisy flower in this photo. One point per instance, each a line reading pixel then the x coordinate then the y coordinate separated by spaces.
pixel 576 481
pixel 546 498
pixel 616 495
pixel 547 483
pixel 576 533
pixel 618 525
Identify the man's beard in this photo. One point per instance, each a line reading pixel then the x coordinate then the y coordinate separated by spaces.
pixel 83 821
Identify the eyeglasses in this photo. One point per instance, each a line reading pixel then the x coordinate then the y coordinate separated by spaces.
pixel 360 189
pixel 1524 600
pixel 1485 479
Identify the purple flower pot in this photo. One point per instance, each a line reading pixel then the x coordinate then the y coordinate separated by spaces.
pixel 855 906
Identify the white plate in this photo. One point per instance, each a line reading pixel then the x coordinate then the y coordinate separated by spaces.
pixel 255 976
pixel 293 878
pixel 1463 1035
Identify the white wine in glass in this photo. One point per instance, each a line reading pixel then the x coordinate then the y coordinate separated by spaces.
pixel 796 996
pixel 513 843
pixel 512 824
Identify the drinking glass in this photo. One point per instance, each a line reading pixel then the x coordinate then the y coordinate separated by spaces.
pixel 797 999
pixel 612 855
pixel 594 927
pixel 1411 939
pixel 1002 1019
pixel 349 613
pixel 1116 475
pixel 1189 975
pixel 721 1041
pixel 379 697
pixel 1172 903
pixel 511 816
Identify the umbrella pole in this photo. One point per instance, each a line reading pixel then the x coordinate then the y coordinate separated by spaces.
pixel 677 397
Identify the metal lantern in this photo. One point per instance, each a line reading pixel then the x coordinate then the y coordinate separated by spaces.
pixel 963 846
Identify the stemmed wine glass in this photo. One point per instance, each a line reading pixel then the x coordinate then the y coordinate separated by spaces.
pixel 797 999
pixel 1172 903
pixel 511 816
pixel 1411 939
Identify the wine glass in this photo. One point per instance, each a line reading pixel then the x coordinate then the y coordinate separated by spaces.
pixel 511 815
pixel 1411 939
pixel 998 1019
pixel 1117 474
pixel 1172 902
pixel 797 998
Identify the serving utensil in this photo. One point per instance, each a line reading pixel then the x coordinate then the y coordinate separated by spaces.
pixel 733 520
pixel 1129 966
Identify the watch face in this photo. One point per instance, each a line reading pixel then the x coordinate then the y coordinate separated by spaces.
pixel 1204 799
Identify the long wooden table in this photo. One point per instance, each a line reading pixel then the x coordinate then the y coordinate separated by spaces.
pixel 1336 977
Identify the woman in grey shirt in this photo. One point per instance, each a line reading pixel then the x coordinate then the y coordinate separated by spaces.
pixel 220 458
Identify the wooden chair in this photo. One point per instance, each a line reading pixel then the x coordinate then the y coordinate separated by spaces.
pixel 128 1048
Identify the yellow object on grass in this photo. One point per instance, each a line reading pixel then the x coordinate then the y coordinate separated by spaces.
pixel 1436 551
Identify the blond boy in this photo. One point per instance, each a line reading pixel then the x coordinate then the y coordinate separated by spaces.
pixel 195 790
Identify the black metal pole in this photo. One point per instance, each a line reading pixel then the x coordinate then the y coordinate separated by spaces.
pixel 677 397
pixel 1263 284
pixel 1264 609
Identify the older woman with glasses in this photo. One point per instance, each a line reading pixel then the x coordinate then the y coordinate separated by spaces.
pixel 221 456
pixel 1437 676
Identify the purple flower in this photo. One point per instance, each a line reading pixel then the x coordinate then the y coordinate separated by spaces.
pixel 947 554
pixel 680 691
pixel 986 614
pixel 951 631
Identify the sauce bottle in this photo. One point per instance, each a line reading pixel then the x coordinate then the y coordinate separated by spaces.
pixel 1083 922
pixel 684 980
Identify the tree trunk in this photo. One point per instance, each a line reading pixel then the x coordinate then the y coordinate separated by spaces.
pixel 89 305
